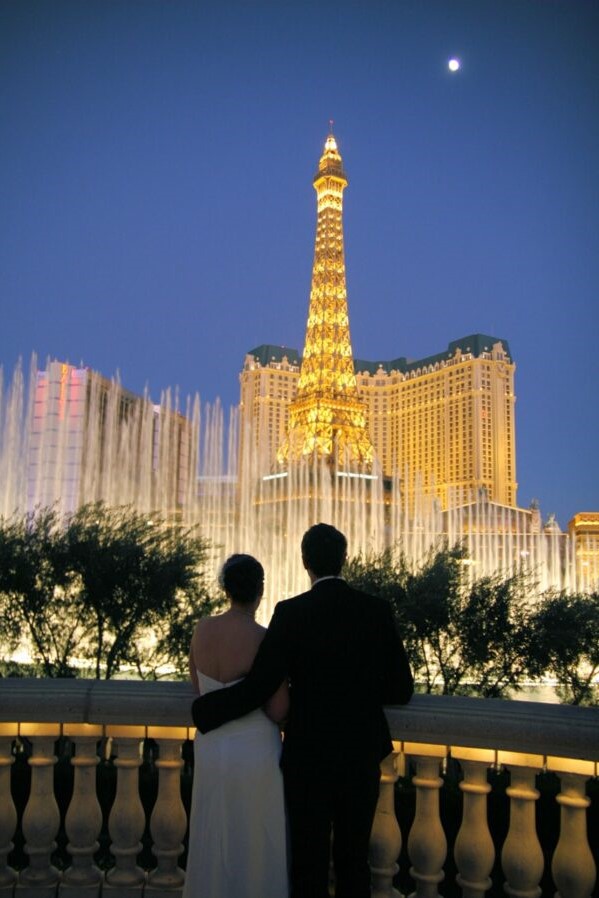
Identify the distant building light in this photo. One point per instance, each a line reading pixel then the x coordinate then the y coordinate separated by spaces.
pixel 357 476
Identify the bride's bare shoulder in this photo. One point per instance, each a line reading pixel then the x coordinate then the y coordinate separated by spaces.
pixel 204 622
pixel 206 627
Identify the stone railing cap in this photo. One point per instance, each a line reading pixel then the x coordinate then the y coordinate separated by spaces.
pixel 534 727
pixel 529 727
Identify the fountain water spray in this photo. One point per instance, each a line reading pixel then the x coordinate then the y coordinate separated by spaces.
pixel 68 436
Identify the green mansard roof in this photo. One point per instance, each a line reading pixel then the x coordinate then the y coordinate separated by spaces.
pixel 475 344
pixel 266 353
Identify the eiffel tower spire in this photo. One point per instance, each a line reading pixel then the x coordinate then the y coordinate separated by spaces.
pixel 327 418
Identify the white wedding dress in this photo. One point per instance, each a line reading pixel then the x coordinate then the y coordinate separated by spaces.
pixel 237 839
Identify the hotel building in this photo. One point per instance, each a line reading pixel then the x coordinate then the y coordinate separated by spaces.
pixel 584 535
pixel 445 422
pixel 91 440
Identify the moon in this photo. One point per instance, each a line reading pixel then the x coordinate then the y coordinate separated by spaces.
pixel 454 65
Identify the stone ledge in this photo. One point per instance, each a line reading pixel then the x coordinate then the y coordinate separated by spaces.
pixel 528 727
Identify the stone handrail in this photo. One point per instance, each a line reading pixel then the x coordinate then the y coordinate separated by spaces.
pixel 557 730
pixel 524 737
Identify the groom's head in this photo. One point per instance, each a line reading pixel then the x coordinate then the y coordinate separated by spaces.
pixel 324 549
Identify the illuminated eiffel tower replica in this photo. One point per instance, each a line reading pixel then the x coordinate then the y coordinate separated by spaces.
pixel 325 468
pixel 327 419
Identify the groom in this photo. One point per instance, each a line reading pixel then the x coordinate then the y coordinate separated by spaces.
pixel 344 661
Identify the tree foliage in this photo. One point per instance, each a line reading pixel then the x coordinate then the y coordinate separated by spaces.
pixel 567 645
pixel 497 634
pixel 109 588
pixel 39 592
pixel 461 637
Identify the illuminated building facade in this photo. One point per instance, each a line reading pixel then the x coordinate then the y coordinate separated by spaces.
pixel 584 534
pixel 444 423
pixel 91 440
pixel 268 386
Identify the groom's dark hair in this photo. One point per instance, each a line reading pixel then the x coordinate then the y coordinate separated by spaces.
pixel 324 549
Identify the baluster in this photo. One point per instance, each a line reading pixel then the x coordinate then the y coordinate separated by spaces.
pixel 331 882
pixel 385 839
pixel 8 813
pixel 427 845
pixel 473 851
pixel 169 820
pixel 127 819
pixel 41 818
pixel 573 868
pixel 84 816
pixel 521 856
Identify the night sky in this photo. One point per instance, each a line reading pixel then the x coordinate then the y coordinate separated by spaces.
pixel 157 214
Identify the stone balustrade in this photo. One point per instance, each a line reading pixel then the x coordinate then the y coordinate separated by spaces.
pixel 110 720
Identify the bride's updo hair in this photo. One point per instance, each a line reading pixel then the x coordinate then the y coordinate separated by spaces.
pixel 242 578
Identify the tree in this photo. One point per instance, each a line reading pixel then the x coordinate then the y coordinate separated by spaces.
pixel 433 599
pixel 460 637
pixel 566 629
pixel 109 587
pixel 383 575
pixel 497 633
pixel 39 592
pixel 143 587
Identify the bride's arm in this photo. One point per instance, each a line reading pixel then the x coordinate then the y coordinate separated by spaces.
pixel 277 706
pixel 193 675
pixel 270 668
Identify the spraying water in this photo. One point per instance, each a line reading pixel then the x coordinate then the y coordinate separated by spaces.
pixel 68 436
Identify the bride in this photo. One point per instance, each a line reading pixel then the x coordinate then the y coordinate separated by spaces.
pixel 237 820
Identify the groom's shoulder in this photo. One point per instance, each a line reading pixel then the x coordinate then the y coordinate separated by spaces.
pixel 340 588
pixel 375 604
pixel 292 604
pixel 289 609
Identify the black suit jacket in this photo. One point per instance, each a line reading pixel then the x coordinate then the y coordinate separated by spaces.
pixel 340 650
